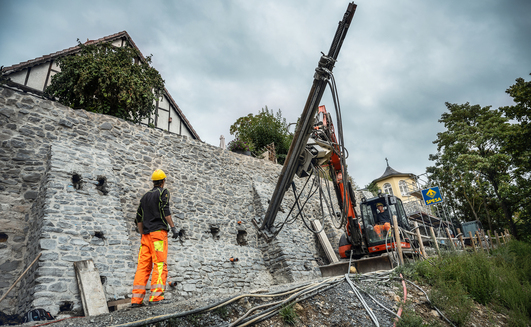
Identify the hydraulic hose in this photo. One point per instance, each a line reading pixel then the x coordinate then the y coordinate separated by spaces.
pixel 278 307
pixel 369 311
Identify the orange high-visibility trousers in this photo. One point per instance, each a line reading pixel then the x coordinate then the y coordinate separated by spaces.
pixel 151 257
pixel 380 228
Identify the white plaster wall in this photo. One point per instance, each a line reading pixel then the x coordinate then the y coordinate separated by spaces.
pixel 162 121
pixel 185 131
pixel 175 121
pixel 164 103
pixel 19 77
pixel 38 76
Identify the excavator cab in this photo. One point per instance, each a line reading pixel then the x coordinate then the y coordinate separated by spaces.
pixel 378 234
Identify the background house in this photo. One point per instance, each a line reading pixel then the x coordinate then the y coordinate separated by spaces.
pixel 401 185
pixel 408 188
pixel 36 74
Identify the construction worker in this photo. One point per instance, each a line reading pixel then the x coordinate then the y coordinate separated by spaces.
pixel 153 219
pixel 383 220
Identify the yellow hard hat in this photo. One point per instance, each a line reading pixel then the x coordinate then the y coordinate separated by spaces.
pixel 379 204
pixel 158 175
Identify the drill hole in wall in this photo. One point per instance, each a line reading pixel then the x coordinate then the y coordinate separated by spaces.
pixel 103 279
pixel 181 233
pixel 102 185
pixel 66 306
pixel 77 181
pixel 99 235
pixel 3 237
pixel 215 232
pixel 241 238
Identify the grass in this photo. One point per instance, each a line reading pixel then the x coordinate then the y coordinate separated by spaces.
pixel 410 319
pixel 223 312
pixel 289 315
pixel 502 279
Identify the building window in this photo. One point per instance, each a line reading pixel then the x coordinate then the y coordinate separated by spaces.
pixel 388 189
pixel 404 189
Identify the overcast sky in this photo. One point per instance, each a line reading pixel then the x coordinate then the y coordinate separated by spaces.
pixel 400 62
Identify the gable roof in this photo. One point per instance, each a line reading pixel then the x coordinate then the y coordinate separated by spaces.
pixel 123 36
pixel 41 60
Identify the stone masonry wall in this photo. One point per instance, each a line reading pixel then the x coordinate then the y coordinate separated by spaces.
pixel 70 184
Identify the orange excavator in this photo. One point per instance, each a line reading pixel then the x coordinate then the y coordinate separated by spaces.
pixel 362 236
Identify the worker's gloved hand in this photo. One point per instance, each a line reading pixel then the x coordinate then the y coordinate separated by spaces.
pixel 175 232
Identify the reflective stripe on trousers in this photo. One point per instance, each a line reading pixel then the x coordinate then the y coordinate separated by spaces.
pixel 151 261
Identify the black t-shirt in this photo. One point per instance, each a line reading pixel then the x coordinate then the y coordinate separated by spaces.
pixel 154 207
pixel 383 217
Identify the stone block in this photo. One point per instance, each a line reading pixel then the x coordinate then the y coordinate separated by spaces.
pixel 47 244
pixel 10 265
pixel 52 256
pixel 31 195
pixel 58 287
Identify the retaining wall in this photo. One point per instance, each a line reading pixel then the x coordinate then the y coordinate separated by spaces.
pixel 70 184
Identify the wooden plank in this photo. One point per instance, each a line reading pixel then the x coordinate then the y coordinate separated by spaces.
pixel 480 242
pixel 421 244
pixel 491 240
pixel 118 304
pixel 461 239
pixel 497 239
pixel 450 239
pixel 472 242
pixel 90 288
pixel 325 243
pixel 434 239
pixel 397 240
pixel 486 240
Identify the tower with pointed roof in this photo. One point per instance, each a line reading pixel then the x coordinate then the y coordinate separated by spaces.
pixel 397 183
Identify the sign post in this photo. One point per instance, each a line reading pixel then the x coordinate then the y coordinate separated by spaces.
pixel 431 196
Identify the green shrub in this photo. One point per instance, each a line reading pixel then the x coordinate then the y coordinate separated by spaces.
pixel 289 315
pixel 410 319
pixel 502 279
pixel 452 298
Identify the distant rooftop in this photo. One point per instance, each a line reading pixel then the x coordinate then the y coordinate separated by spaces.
pixel 391 172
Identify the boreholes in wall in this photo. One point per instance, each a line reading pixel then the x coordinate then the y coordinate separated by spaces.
pixel 99 235
pixel 66 306
pixel 181 233
pixel 103 280
pixel 3 237
pixel 214 230
pixel 241 238
pixel 102 185
pixel 77 181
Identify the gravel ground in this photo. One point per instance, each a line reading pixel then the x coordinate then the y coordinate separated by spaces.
pixel 337 306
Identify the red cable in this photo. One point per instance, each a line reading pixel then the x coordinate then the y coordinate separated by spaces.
pixel 405 298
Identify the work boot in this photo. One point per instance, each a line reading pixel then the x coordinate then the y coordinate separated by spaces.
pixel 136 305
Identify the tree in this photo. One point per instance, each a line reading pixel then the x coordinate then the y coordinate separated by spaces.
pixel 109 80
pixel 373 188
pixel 518 147
pixel 264 129
pixel 470 157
